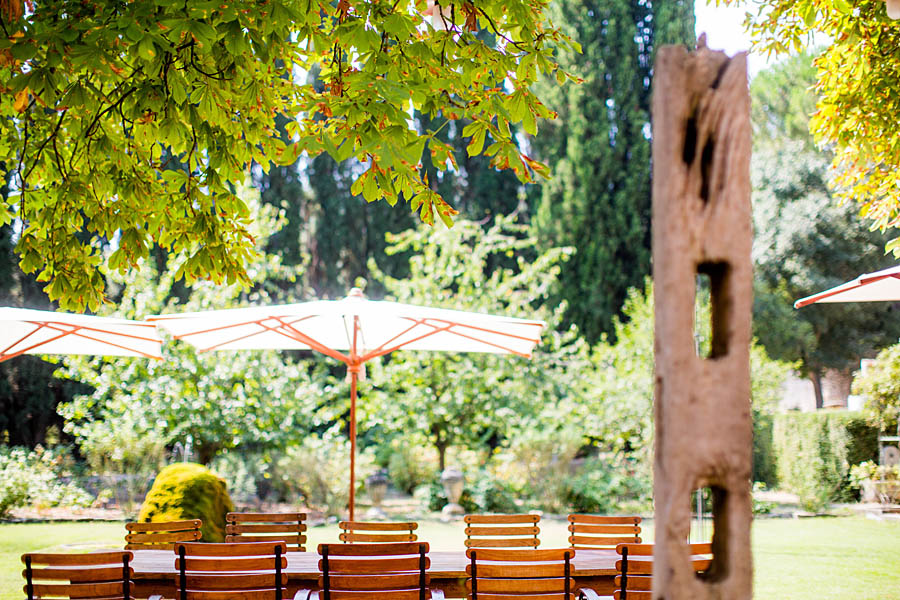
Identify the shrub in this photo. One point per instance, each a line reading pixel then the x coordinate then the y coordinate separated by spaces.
pixel 482 492
pixel 605 485
pixel 317 472
pixel 124 455
pixel 410 465
pixel 189 491
pixel 813 454
pixel 33 478
pixel 885 479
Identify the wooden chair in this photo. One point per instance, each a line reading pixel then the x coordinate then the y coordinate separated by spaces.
pixel 595 531
pixel 392 571
pixel 635 578
pixel 267 527
pixel 366 531
pixel 104 575
pixel 249 571
pixel 527 574
pixel 502 531
pixel 161 535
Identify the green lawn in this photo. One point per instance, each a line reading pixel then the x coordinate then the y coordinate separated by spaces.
pixel 806 559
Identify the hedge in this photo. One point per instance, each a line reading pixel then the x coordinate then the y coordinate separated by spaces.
pixel 814 453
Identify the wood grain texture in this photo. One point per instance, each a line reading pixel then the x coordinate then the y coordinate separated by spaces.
pixel 702 226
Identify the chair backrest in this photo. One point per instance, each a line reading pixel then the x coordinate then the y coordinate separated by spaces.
pixel 595 531
pixel 161 535
pixel 267 527
pixel 97 575
pixel 366 531
pixel 395 571
pixel 249 571
pixel 635 568
pixel 502 531
pixel 520 573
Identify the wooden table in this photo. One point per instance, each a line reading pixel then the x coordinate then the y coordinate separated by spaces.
pixel 154 571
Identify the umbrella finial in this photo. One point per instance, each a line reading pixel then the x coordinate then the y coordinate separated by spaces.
pixel 355 293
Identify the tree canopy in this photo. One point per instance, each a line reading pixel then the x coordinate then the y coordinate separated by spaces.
pixel 130 125
pixel 857 106
pixel 599 198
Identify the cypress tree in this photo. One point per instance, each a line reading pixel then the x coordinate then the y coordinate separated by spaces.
pixel 599 149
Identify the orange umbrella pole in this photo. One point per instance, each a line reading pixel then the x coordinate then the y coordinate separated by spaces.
pixel 354 374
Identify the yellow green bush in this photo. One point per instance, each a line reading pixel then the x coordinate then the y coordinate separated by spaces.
pixel 189 491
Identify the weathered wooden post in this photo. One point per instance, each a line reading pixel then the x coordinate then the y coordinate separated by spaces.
pixel 701 226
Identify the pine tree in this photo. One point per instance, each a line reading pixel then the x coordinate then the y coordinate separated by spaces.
pixel 599 149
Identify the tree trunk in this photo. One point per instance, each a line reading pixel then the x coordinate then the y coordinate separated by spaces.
pixel 816 378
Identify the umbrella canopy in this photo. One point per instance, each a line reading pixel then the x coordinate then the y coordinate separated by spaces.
pixel 26 331
pixel 881 285
pixel 353 330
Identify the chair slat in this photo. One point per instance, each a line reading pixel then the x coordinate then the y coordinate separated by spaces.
pixel 603 519
pixel 376 537
pixel 503 531
pixel 520 555
pixel 375 595
pixel 232 550
pixel 502 543
pixel 499 518
pixel 505 570
pixel 230 594
pixel 233 581
pixel 77 590
pixel 162 537
pixel 632 595
pixel 266 528
pixel 520 585
pixel 290 541
pixel 371 581
pixel 557 596
pixel 186 525
pixel 378 565
pixel 230 564
pixel 594 529
pixel 236 517
pixel 379 526
pixel 394 548
pixel 636 582
pixel 93 558
pixel 82 574
pixel 592 541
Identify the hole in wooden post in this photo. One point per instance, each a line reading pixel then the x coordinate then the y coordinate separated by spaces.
pixel 711 566
pixel 711 336
pixel 689 150
pixel 706 161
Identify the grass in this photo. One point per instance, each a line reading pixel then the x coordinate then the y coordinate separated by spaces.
pixel 805 559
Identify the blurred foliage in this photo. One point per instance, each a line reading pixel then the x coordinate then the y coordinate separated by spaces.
pixel 33 478
pixel 316 471
pixel 855 89
pixel 474 399
pixel 213 401
pixel 814 453
pixel 879 385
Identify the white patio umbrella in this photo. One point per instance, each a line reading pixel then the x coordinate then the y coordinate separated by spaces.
pixel 353 330
pixel 881 285
pixel 27 331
